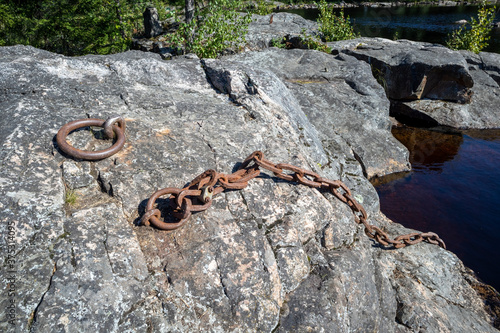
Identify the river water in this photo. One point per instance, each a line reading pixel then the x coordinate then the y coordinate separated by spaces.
pixel 419 23
pixel 454 186
pixel 453 190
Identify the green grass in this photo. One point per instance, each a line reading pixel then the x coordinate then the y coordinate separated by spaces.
pixel 70 198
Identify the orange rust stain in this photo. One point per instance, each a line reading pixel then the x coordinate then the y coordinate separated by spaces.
pixel 124 152
pixel 163 132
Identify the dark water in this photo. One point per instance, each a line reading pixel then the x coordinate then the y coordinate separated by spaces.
pixel 419 23
pixel 453 190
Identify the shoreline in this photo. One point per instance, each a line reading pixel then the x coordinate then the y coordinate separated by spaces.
pixel 387 4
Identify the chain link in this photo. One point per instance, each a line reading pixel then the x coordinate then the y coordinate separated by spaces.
pixel 210 183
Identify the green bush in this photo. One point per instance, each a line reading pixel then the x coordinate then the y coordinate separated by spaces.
pixel 73 27
pixel 6 24
pixel 215 28
pixel 333 27
pixel 261 7
pixel 313 43
pixel 278 42
pixel 474 38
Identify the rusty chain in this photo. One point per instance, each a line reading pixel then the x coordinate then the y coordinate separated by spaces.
pixel 197 196
pixel 114 128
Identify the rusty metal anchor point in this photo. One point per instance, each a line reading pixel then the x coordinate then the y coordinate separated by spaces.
pixel 114 128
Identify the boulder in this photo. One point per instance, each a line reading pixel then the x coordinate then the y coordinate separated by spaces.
pixel 263 30
pixel 480 113
pixel 489 62
pixel 430 85
pixel 411 70
pixel 275 256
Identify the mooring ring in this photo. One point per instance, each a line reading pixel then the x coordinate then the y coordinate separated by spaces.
pixel 118 130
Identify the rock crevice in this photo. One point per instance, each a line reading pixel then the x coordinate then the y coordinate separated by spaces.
pixel 274 256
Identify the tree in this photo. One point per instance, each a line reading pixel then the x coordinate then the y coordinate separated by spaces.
pixel 6 21
pixel 189 10
pixel 333 27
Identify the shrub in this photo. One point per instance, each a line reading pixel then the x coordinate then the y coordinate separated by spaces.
pixel 278 42
pixel 261 7
pixel 333 27
pixel 213 29
pixel 313 44
pixel 474 38
pixel 73 27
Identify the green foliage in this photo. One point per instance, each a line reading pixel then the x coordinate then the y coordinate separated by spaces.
pixel 79 27
pixel 6 23
pixel 261 7
pixel 305 41
pixel 314 44
pixel 215 28
pixel 278 42
pixel 73 27
pixel 476 37
pixel 333 27
pixel 70 198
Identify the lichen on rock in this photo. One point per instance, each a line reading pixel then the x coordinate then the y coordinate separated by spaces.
pixel 275 256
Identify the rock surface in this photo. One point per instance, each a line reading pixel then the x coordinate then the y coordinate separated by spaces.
pixel 427 84
pixel 430 85
pixel 414 71
pixel 274 256
pixel 339 95
pixel 262 30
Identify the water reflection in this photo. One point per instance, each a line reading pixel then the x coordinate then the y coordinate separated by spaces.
pixel 453 190
pixel 429 150
pixel 419 23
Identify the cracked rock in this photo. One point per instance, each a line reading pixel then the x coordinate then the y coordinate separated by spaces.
pixel 431 85
pixel 274 256
pixel 77 175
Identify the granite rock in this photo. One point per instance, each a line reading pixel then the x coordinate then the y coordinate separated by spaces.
pixel 480 113
pixel 339 95
pixel 263 30
pixel 412 70
pixel 275 256
pixel 426 84
pixel 429 84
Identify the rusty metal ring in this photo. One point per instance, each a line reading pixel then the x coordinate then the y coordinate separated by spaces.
pixel 154 220
pixel 119 131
